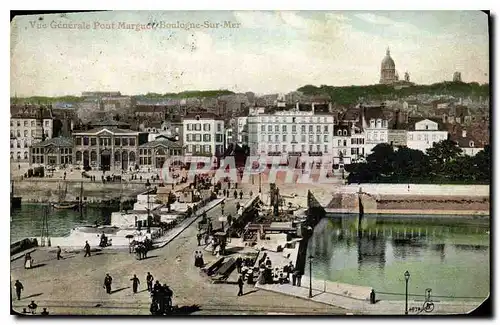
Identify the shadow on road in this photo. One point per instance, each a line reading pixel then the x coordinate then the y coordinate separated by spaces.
pixel 249 292
pixel 38 265
pixel 118 290
pixel 33 295
pixel 145 258
pixel 185 310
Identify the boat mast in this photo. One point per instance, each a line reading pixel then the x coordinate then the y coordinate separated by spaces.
pixel 81 198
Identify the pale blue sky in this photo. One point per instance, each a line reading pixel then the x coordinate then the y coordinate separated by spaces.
pixel 271 51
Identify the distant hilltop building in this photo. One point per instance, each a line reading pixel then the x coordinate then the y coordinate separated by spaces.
pixel 389 75
pixel 457 76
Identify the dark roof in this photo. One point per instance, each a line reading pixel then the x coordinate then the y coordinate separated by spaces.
pixel 373 112
pixel 341 127
pixel 162 142
pixel 202 115
pixel 109 123
pixel 58 142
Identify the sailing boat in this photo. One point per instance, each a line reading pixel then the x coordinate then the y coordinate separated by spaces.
pixel 62 195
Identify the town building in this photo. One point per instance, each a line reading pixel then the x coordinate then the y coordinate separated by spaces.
pixel 108 148
pixel 203 134
pixel 424 132
pixel 241 130
pixel 293 132
pixel 154 154
pixel 457 76
pixel 341 145
pixel 388 69
pixel 374 125
pixel 27 127
pixel 52 152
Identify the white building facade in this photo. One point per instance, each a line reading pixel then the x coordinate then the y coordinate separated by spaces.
pixel 424 134
pixel 25 131
pixel 376 132
pixel 291 133
pixel 203 134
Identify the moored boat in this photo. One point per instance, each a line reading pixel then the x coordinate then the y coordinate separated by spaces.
pixel 64 205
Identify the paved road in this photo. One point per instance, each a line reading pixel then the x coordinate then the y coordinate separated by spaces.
pixel 74 285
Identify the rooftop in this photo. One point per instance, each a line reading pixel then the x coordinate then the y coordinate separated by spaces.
pixel 57 142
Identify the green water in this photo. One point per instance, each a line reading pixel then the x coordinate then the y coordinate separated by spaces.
pixel 27 221
pixel 450 255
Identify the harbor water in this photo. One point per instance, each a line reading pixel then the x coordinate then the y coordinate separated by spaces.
pixel 448 254
pixel 27 221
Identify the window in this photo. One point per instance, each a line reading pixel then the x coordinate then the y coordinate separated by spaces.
pixel 197 147
pixel 310 138
pixel 339 132
pixel 46 123
pixel 283 128
pixel 293 138
pixel 318 138
pixel 318 148
pixel 206 148
pixel 310 129
pixel 269 148
pixel 276 148
pixel 345 132
pixel 32 123
pixel 18 133
pixel 293 120
pixel 325 138
pixel 11 123
pixel 427 127
pixel 206 138
pixel 303 138
pixel 269 138
pixel 19 144
pixel 263 138
pixel 276 138
pixel 325 128
pixel 303 129
pixel 206 127
pixel 345 143
pixel 18 123
pixel 379 123
pixel 218 138
pixel 310 148
pixel 372 123
pixel 471 144
pixel 25 123
pixel 384 123
pixel 326 149
pixel 276 128
pixel 340 143
pixel 26 144
pixel 284 137
pixel 284 148
pixel 353 140
pixel 318 128
pixel 25 155
pixel 85 141
pixel 410 136
pixel 93 141
pixel 25 133
pixel 188 137
pixel 219 127
pixel 189 126
pixel 303 148
pixel 293 148
pixel 269 128
pixel 12 144
pixel 262 128
pixel 294 128
pixel 131 142
pixel 197 127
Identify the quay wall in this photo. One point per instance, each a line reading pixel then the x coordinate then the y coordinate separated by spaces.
pixel 37 190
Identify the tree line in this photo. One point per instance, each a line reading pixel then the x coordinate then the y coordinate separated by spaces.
pixel 443 163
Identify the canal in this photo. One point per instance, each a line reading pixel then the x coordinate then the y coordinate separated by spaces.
pixel 449 254
pixel 27 221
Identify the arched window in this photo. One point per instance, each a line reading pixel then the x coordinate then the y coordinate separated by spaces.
pixel 78 156
pixel 25 155
pixel 345 132
pixel 339 132
pixel 379 123
pixel 160 152
pixel 131 156
pixel 471 144
pixel 117 156
pixel 93 156
pixel 25 133
pixel 124 156
pixel 372 123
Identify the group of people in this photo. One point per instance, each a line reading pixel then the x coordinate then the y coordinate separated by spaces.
pixel 281 275
pixel 32 306
pixel 161 296
pixel 198 259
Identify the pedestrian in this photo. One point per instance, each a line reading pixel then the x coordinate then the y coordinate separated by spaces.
pixel 251 193
pixel 239 261
pixel 196 260
pixel 238 206
pixel 157 286
pixel 32 307
pixel 372 297
pixel 198 238
pixel 227 193
pixel 87 249
pixel 240 285
pixel 45 312
pixel 64 178
pixel 235 194
pixel 299 278
pixel 294 278
pixel 149 281
pixel 290 270
pixel 200 259
pixel 241 194
pixel 268 262
pixel 19 287
pixel 59 253
pixel 207 237
pixel 224 192
pixel 135 283
pixel 107 283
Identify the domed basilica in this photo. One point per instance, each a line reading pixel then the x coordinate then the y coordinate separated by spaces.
pixel 388 73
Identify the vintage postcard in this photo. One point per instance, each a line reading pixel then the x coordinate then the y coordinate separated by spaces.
pixel 250 163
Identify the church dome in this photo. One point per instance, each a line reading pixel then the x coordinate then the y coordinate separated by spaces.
pixel 388 62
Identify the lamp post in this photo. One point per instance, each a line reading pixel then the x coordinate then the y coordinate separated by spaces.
pixel 407 277
pixel 260 182
pixel 310 275
pixel 148 185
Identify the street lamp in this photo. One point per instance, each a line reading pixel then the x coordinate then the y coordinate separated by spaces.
pixel 260 182
pixel 407 277
pixel 310 276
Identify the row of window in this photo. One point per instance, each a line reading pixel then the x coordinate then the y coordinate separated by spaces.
pixel 425 137
pixel 378 123
pixel 18 144
pixel 294 119
pixel 197 137
pixel 375 136
pixel 204 149
pixel 205 126
pixel 18 155
pixel 26 133
pixel 41 151
pixel 28 123
pixel 284 148
pixel 276 128
pixel 285 138
pixel 104 141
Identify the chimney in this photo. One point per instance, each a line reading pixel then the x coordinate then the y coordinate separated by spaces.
pixel 464 133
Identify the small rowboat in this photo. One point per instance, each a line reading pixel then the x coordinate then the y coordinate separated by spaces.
pixel 64 205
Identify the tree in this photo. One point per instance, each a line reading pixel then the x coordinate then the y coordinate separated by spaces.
pixel 482 164
pixel 381 159
pixel 441 153
pixel 409 164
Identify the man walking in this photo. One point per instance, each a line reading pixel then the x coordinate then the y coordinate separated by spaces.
pixel 19 287
pixel 59 253
pixel 241 194
pixel 107 283
pixel 87 249
pixel 235 194
pixel 135 283
pixel 240 285
pixel 149 281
